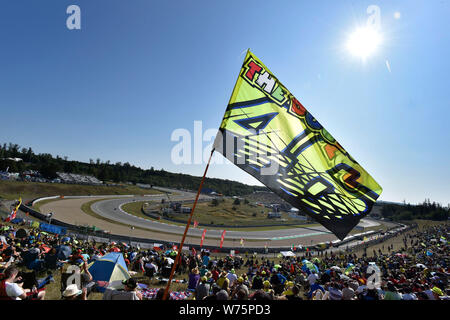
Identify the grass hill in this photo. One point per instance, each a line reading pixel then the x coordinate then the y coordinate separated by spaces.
pixel 30 190
pixel 48 165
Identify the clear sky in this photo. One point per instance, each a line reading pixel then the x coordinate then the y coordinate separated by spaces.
pixel 137 70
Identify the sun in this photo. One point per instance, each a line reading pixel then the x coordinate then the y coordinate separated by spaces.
pixel 363 42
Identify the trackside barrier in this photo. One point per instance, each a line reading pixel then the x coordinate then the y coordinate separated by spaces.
pixel 100 236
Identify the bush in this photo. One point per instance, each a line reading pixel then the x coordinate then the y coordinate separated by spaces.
pixel 237 202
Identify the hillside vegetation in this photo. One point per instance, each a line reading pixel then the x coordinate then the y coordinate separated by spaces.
pixel 31 190
pixel 48 165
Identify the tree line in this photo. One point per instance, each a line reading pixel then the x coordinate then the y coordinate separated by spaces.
pixel 47 165
pixel 427 210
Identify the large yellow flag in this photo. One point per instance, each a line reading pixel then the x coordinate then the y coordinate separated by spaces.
pixel 268 133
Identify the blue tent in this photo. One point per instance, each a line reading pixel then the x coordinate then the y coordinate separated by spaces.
pixel 17 220
pixel 109 268
pixel 63 252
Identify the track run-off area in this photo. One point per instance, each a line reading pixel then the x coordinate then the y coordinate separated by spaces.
pixel 110 216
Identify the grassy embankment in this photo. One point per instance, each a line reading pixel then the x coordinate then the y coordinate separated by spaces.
pixel 223 214
pixel 11 190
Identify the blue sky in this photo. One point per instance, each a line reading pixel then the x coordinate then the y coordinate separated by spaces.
pixel 137 70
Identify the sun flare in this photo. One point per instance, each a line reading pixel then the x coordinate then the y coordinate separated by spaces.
pixel 363 42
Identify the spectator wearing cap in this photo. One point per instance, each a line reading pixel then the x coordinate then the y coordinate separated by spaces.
pixel 313 277
pixel 232 277
pixel 240 285
pixel 294 295
pixel 437 292
pixel 129 292
pixel 223 280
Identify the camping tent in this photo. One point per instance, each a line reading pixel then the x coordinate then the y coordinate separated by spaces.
pixel 287 253
pixel 109 268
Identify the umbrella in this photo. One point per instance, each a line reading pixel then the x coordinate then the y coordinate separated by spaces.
pixel 420 265
pixel 349 268
pixel 374 266
pixel 344 277
pixel 115 249
pixel 336 268
pixel 170 261
pixel 308 265
pixel 277 266
pixel 316 260
pixel 21 233
pixel 65 239
pixel 63 252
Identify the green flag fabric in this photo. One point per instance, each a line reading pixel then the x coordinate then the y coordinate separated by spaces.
pixel 269 134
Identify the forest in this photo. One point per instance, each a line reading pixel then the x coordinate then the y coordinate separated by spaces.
pixel 118 172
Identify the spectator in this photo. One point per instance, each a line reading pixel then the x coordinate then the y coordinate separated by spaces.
pixel 128 293
pixel 194 277
pixel 202 290
pixel 73 293
pixel 10 290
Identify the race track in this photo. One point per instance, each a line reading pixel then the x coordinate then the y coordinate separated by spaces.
pixel 119 222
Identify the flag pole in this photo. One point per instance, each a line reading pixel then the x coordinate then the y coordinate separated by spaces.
pixel 166 291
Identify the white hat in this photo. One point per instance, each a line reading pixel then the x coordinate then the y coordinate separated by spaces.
pixel 71 290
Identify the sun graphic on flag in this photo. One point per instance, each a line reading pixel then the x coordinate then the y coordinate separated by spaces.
pixel 363 42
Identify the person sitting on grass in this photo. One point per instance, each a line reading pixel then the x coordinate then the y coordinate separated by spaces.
pixel 239 286
pixel 202 289
pixel 295 294
pixel 10 290
pixel 194 278
pixel 129 292
pixel 73 293
pixel 257 283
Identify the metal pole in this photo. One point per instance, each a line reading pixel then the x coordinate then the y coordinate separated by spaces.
pixel 166 291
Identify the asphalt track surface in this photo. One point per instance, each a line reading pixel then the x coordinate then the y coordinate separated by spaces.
pixel 69 210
